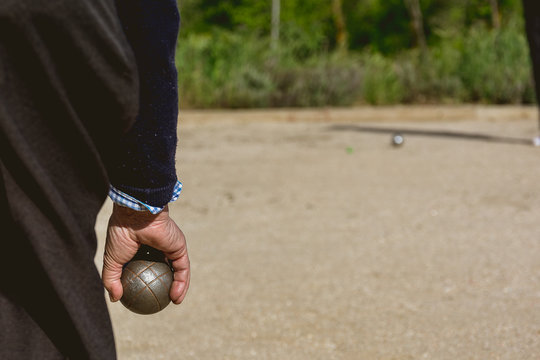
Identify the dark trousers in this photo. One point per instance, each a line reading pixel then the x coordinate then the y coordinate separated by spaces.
pixel 68 88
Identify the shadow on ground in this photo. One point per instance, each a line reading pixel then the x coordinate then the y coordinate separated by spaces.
pixel 433 133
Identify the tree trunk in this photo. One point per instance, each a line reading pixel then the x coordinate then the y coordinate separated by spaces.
pixel 341 27
pixel 495 15
pixel 418 23
pixel 276 9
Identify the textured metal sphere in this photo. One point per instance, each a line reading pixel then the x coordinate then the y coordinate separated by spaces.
pixel 397 140
pixel 146 286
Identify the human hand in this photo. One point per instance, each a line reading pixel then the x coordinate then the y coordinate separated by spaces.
pixel 127 230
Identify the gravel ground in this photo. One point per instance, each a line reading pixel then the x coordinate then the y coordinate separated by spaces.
pixel 311 237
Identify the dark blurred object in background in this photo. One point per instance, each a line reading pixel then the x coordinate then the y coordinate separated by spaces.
pixel 531 9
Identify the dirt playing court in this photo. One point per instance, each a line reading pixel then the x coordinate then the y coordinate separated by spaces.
pixel 311 237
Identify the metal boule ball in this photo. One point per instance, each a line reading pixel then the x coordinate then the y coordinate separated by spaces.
pixel 146 286
pixel 397 140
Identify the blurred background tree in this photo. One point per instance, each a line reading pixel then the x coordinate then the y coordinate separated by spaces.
pixel 344 52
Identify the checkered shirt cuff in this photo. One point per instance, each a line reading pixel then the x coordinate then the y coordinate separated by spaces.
pixel 123 199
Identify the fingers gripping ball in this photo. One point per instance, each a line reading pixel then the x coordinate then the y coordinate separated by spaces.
pixel 146 286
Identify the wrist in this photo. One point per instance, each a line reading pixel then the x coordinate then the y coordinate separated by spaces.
pixel 136 218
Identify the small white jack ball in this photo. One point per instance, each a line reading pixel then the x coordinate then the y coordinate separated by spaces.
pixel 536 141
pixel 397 140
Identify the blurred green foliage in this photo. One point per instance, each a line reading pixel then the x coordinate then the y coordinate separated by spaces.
pixel 225 58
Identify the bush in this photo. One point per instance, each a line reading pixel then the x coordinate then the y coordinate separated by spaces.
pixel 230 70
pixel 482 65
pixel 382 84
pixel 323 82
pixel 495 66
pixel 221 69
pixel 233 70
pixel 432 77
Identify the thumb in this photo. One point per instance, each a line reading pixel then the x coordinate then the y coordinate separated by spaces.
pixel 119 249
pixel 112 272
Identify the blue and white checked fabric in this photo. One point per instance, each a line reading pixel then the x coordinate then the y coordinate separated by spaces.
pixel 123 199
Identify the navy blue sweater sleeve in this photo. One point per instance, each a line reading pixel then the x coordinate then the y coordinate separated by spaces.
pixel 144 162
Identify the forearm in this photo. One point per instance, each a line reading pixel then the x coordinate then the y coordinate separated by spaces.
pixel 144 164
